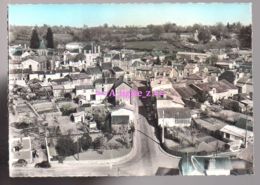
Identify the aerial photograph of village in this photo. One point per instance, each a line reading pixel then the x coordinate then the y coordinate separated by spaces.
pixel 130 89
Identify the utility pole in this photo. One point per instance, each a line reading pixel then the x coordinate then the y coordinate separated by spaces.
pixel 246 129
pixel 163 129
pixel 77 144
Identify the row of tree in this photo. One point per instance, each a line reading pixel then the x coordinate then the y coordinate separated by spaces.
pixel 105 33
pixel 66 146
pixel 35 40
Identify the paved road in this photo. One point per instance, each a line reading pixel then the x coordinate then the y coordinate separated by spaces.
pixel 145 162
pixel 149 155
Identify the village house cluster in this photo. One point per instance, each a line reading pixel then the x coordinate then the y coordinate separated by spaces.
pixel 203 108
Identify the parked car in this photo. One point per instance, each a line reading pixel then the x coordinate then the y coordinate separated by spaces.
pixel 20 163
pixel 43 164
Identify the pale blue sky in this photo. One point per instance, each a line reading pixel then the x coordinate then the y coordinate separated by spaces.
pixel 128 14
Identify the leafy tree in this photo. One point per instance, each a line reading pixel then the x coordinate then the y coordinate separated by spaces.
pixel 79 56
pixel 49 38
pixel 87 34
pixel 213 60
pixel 168 27
pixel 158 61
pixel 85 141
pixel 155 30
pixel 67 110
pixel 228 26
pixel 204 35
pixel 106 128
pixel 245 36
pixel 67 96
pixel 65 146
pixel 228 75
pixel 196 27
pixel 35 41
pixel 98 142
pixel 235 27
pixel 220 31
pixel 21 125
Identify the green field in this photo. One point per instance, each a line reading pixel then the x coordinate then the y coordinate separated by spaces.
pixel 149 45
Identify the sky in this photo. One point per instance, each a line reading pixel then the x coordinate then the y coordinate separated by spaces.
pixel 134 14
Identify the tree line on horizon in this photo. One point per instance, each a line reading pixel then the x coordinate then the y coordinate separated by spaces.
pixel 107 33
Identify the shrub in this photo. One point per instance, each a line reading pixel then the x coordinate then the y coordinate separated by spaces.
pixel 65 146
pixel 67 110
pixel 21 125
pixel 98 142
pixel 85 141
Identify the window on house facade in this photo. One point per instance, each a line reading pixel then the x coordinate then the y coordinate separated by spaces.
pixel 93 97
pixel 227 136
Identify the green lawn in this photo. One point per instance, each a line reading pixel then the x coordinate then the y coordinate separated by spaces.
pixel 94 155
pixel 148 45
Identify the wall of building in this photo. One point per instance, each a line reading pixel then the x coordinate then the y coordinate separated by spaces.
pixel 172 122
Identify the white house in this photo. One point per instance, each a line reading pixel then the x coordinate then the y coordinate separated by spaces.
pixel 81 78
pixel 197 57
pixel 79 117
pixel 107 58
pixel 86 90
pixel 121 92
pixel 245 85
pixel 222 90
pixel 75 46
pixel 94 73
pixel 15 64
pixel 102 87
pixel 31 64
pixel 233 133
pixel 217 90
pixel 227 64
pixel 26 54
pixel 161 84
pixel 91 56
pixel 174 117
pixel 20 148
pixel 170 99
pixel 92 126
pixel 123 112
pixel 190 69
pixel 58 90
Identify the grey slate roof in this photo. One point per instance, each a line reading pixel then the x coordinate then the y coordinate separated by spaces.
pixel 117 69
pixel 119 120
pixel 93 71
pixel 80 87
pixel 178 113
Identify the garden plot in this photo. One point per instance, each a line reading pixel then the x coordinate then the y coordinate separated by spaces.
pixel 45 107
